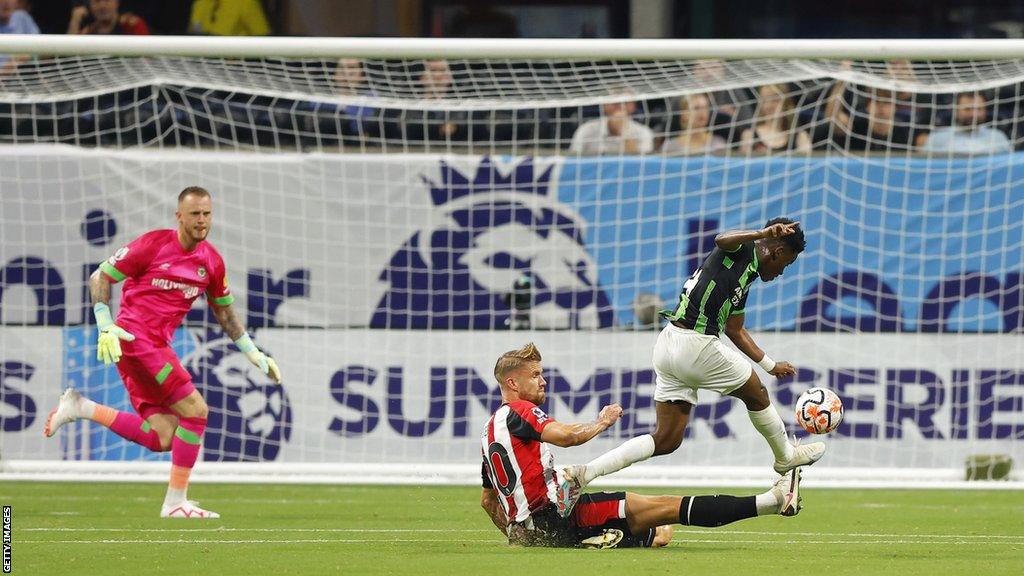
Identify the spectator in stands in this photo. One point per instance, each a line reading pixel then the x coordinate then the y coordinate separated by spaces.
pixel 865 120
pixel 775 128
pixel 228 18
pixel 695 136
pixel 105 17
pixel 436 124
pixel 615 132
pixel 357 120
pixel 350 78
pixel 14 20
pixel 971 132
pixel 734 107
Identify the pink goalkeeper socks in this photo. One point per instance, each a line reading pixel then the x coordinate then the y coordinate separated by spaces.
pixel 188 441
pixel 128 426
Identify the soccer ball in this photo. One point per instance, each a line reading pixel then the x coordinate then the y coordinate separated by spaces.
pixel 819 410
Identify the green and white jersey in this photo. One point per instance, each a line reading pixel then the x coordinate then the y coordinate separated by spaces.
pixel 717 290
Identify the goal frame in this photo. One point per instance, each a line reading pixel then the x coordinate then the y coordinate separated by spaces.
pixel 473 49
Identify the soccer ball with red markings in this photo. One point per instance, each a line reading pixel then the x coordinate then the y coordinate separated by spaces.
pixel 819 410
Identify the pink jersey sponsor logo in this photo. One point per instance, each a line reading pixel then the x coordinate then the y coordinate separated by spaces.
pixel 187 290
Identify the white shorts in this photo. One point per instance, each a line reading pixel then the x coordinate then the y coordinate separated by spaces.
pixel 686 361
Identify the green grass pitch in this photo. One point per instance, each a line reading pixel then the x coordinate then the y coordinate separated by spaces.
pixel 72 528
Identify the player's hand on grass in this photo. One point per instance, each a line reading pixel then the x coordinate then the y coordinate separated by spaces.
pixel 610 414
pixel 779 230
pixel 783 369
pixel 265 363
pixel 108 345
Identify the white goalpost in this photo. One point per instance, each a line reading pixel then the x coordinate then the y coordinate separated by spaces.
pixel 396 213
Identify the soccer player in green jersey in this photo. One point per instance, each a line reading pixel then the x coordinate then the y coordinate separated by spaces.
pixel 689 354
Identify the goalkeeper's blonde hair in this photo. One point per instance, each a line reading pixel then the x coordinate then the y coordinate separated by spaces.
pixel 197 191
pixel 514 359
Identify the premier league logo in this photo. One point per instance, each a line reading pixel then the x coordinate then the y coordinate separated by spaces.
pixel 250 416
pixel 488 231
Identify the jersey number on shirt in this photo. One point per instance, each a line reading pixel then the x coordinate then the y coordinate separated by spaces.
pixel 501 468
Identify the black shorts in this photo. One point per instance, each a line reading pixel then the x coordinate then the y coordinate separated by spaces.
pixel 594 513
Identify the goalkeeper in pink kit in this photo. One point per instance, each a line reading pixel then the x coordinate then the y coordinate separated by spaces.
pixel 164 272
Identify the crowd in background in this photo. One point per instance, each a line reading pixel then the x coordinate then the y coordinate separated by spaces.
pixel 768 119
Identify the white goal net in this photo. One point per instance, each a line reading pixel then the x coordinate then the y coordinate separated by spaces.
pixel 391 225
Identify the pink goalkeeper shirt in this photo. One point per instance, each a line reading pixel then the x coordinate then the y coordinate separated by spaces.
pixel 162 281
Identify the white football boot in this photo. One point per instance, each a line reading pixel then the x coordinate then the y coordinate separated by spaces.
pixel 803 455
pixel 68 410
pixel 787 493
pixel 187 509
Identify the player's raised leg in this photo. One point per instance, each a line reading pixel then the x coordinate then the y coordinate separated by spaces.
pixel 672 419
pixel 185 447
pixel 74 406
pixel 768 423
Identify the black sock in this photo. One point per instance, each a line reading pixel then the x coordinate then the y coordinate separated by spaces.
pixel 715 510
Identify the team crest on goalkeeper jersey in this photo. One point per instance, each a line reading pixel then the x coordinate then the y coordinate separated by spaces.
pixel 489 227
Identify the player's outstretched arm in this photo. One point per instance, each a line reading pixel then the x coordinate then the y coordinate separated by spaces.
pixel 232 326
pixel 108 344
pixel 730 241
pixel 565 435
pixel 736 332
pixel 489 502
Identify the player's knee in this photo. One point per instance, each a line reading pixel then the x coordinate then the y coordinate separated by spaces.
pixel 165 432
pixel 666 441
pixel 760 400
pixel 754 395
pixel 166 441
pixel 197 409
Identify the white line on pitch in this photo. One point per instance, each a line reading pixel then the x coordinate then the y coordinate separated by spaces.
pixel 684 532
pixel 176 530
pixel 300 541
pixel 851 534
pixel 943 542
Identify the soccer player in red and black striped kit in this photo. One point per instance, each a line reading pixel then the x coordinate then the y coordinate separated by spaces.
pixel 522 491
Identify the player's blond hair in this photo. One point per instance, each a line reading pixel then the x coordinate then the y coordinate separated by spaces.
pixel 193 191
pixel 514 359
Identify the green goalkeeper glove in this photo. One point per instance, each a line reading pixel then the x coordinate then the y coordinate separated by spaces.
pixel 261 360
pixel 108 345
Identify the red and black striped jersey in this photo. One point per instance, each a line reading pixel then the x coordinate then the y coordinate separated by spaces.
pixel 516 462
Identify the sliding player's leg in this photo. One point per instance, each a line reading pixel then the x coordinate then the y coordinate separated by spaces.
pixel 648 512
